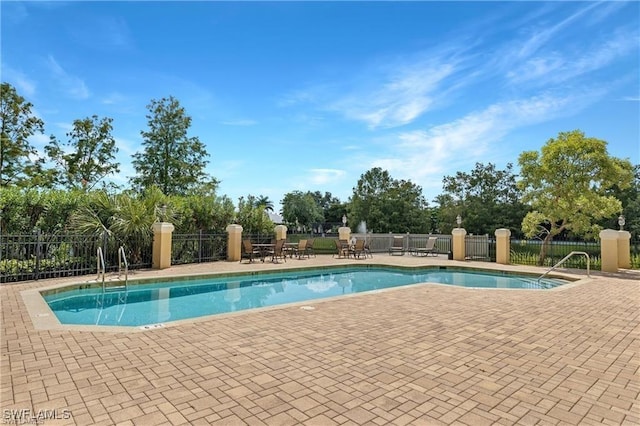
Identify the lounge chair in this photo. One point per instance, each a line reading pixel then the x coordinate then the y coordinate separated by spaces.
pixel 429 248
pixel 248 251
pixel 398 246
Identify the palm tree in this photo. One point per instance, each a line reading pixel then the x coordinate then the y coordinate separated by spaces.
pixel 117 220
pixel 263 202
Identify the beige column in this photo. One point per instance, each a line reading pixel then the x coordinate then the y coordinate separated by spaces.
pixel 344 233
pixel 624 250
pixel 609 250
pixel 503 246
pixel 457 243
pixel 234 242
pixel 281 232
pixel 161 256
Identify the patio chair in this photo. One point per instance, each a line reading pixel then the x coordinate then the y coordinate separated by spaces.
pixel 248 251
pixel 398 246
pixel 300 249
pixel 309 248
pixel 429 248
pixel 367 250
pixel 358 249
pixel 342 248
pixel 278 251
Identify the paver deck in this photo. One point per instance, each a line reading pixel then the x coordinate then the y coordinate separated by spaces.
pixel 420 355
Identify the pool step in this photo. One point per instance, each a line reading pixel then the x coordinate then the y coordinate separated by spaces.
pixel 114 288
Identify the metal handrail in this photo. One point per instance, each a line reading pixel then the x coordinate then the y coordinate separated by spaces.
pixel 122 258
pixel 563 260
pixel 100 262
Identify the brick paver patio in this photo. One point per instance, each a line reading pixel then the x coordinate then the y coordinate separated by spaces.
pixel 421 355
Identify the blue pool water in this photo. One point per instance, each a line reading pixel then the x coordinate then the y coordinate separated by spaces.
pixel 159 302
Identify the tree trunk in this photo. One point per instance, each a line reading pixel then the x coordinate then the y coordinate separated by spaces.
pixel 543 248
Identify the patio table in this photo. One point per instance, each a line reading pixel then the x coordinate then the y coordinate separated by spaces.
pixel 264 249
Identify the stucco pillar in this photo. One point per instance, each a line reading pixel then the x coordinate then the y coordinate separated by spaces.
pixel 503 246
pixel 457 243
pixel 234 242
pixel 624 250
pixel 344 233
pixel 609 250
pixel 281 232
pixel 161 256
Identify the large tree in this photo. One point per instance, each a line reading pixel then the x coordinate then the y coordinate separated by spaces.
pixel 567 184
pixel 387 205
pixel 486 198
pixel 301 209
pixel 19 162
pixel 88 156
pixel 171 160
pixel 332 208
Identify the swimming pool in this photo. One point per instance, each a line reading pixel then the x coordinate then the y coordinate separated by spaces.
pixel 156 302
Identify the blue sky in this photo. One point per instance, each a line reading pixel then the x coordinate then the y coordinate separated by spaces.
pixel 309 96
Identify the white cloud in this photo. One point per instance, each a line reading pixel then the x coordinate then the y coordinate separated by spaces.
pixel 67 127
pixel 114 98
pixel 126 146
pixel 74 86
pixel 423 155
pixel 540 36
pixel 556 67
pixel 39 140
pixel 240 122
pixel 24 85
pixel 325 176
pixel 398 96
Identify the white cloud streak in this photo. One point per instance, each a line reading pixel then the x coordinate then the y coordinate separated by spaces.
pixel 423 155
pixel 560 66
pixel 23 84
pixel 72 85
pixel 240 123
pixel 325 176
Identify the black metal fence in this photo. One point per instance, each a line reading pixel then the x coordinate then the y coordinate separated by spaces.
pixel 198 248
pixel 529 252
pixel 38 255
pixel 480 247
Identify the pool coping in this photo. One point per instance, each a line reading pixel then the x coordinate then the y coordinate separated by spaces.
pixel 43 318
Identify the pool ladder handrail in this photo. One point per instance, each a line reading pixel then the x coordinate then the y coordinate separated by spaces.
pixel 122 259
pixel 565 259
pixel 100 265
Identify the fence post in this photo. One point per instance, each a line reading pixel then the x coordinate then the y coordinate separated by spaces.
pixel 457 243
pixel 281 232
pixel 624 250
pixel 161 255
pixel 36 271
pixel 609 250
pixel 344 233
pixel 234 242
pixel 503 246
